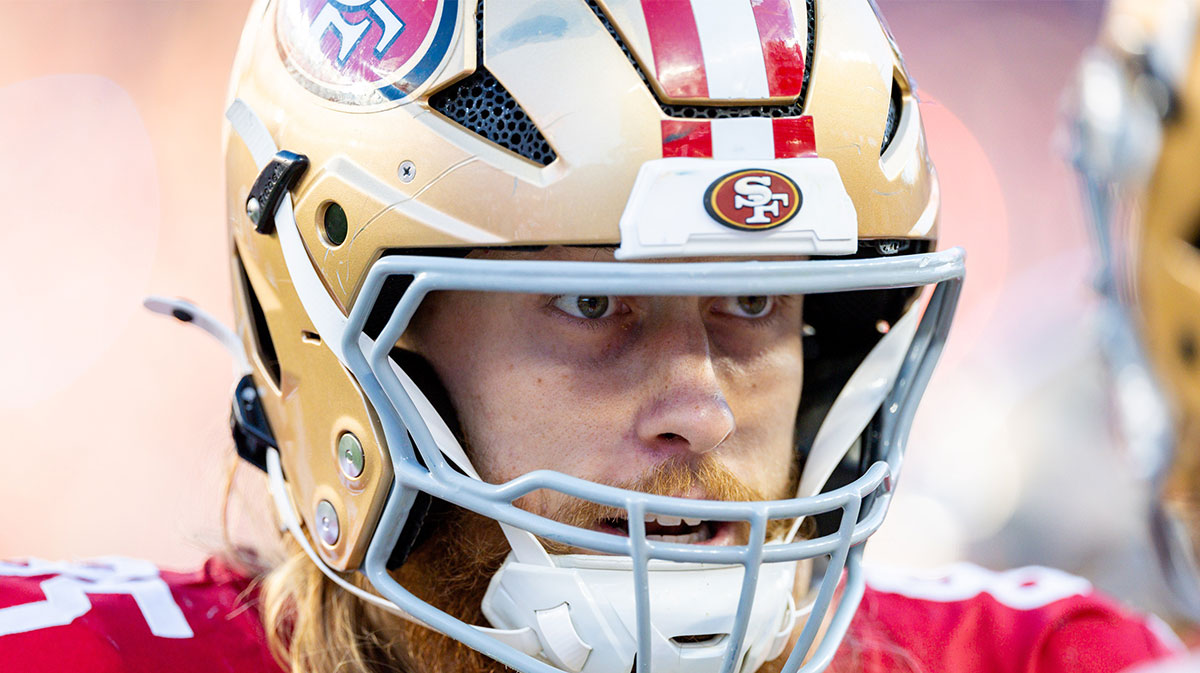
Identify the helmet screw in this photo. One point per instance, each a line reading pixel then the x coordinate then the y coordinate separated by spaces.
pixel 327 523
pixel 408 171
pixel 350 455
pixel 254 210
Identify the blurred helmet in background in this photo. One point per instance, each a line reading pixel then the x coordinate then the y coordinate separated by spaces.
pixel 1135 122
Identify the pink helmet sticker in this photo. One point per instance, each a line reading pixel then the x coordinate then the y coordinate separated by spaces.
pixel 365 52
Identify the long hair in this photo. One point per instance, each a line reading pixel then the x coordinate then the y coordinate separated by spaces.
pixel 311 624
pixel 315 626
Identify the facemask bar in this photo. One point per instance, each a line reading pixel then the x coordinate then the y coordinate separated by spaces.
pixel 723 279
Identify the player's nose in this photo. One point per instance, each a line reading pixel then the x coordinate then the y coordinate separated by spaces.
pixel 687 410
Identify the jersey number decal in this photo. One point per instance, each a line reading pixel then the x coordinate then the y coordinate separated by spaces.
pixel 1020 589
pixel 67 595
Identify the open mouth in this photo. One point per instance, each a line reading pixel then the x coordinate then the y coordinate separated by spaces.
pixel 674 529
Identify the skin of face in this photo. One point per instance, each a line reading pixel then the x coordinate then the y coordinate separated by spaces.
pixel 655 381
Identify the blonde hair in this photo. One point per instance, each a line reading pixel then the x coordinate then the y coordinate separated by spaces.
pixel 311 624
pixel 314 626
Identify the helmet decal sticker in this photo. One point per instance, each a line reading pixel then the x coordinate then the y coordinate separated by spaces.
pixel 753 200
pixel 748 138
pixel 331 22
pixel 365 52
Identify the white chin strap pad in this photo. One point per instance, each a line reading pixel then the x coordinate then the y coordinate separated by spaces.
pixel 585 615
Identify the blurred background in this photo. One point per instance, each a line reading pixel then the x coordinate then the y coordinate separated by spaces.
pixel 115 423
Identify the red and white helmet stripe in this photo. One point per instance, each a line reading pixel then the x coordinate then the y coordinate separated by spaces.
pixel 739 138
pixel 726 49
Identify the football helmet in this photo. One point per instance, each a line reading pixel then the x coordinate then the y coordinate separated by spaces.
pixel 723 148
pixel 1134 128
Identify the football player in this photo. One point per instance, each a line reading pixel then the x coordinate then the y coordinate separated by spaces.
pixel 1136 130
pixel 575 336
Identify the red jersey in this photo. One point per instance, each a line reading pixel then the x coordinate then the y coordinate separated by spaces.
pixel 965 619
pixel 125 616
pixel 119 615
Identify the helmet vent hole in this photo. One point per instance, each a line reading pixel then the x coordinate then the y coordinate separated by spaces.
pixel 701 640
pixel 893 117
pixel 262 334
pixel 481 104
pixel 334 224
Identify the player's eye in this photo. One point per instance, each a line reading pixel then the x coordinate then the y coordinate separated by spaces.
pixel 756 306
pixel 586 307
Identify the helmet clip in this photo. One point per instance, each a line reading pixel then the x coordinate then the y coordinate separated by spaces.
pixel 276 178
pixel 248 423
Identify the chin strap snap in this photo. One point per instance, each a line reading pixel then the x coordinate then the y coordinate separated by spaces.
pixel 248 423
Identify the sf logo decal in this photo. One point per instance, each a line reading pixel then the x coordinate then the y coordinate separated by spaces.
pixel 753 200
pixel 332 17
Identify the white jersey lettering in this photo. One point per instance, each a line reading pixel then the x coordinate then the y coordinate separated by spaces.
pixel 67 594
pixel 1021 588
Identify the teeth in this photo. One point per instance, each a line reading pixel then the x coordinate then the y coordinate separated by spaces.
pixel 692 522
pixel 693 538
pixel 665 520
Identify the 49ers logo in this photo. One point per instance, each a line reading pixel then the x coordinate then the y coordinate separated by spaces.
pixel 365 52
pixel 753 200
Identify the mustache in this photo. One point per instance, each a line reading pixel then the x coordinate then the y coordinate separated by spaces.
pixel 674 478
